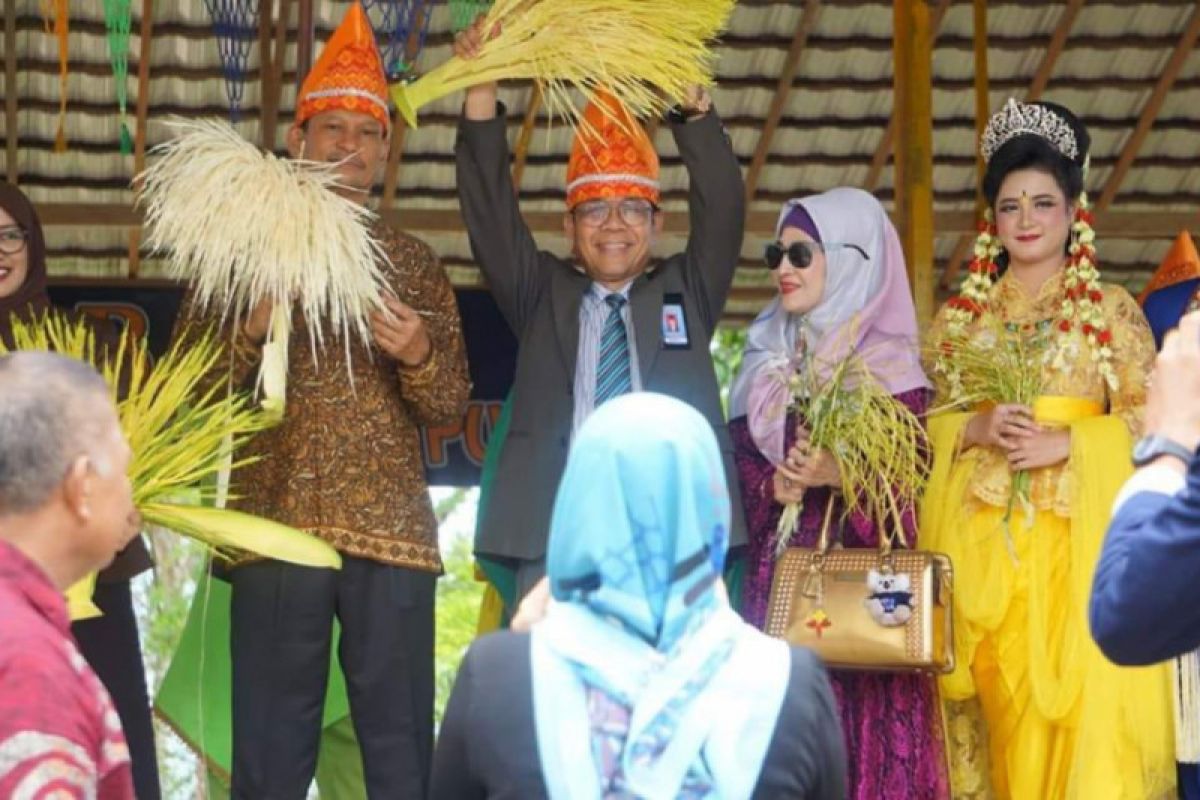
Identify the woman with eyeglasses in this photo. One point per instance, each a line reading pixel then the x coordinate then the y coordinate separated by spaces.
pixel 110 643
pixel 841 282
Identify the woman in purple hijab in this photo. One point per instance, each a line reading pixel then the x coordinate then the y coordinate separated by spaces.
pixel 840 274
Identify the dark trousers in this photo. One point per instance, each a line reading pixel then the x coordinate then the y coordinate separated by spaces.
pixel 113 649
pixel 282 617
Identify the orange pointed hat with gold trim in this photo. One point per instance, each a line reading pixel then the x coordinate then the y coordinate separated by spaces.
pixel 611 156
pixel 349 74
pixel 1182 263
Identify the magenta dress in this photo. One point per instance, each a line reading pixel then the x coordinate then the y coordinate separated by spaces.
pixel 891 721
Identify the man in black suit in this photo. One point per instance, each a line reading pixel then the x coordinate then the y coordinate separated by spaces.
pixel 596 325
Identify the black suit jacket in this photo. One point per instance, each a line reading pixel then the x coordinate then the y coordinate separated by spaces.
pixel 540 295
pixel 487 749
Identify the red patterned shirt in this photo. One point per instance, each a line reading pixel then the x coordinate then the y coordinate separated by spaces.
pixel 60 736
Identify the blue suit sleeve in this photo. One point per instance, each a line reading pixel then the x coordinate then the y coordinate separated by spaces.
pixel 1142 607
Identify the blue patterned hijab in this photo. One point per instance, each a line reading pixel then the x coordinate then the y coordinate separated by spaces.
pixel 640 667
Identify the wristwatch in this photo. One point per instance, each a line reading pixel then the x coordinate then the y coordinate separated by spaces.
pixel 1152 446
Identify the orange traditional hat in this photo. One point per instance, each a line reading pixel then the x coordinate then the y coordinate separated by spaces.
pixel 348 75
pixel 1182 263
pixel 611 156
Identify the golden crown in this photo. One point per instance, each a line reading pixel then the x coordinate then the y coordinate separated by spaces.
pixel 1016 119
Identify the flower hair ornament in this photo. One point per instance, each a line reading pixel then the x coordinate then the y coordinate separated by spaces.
pixel 1082 304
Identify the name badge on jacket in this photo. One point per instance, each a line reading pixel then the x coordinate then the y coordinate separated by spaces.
pixel 674 323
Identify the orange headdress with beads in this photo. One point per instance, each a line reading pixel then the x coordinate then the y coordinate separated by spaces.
pixel 611 156
pixel 349 74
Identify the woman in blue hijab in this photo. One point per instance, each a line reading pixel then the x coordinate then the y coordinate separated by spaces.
pixel 641 681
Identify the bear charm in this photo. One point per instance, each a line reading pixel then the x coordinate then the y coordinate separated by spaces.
pixel 890 600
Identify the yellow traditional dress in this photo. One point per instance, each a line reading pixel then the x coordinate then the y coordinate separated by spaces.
pixel 1061 721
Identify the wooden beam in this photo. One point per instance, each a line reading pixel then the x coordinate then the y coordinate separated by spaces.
pixel 145 50
pixel 391 172
pixel 1041 77
pixel 1187 41
pixel 271 74
pixel 884 148
pixel 11 121
pixel 982 101
pixel 791 66
pixel 1058 42
pixel 962 247
pixel 913 56
pixel 1115 224
pixel 304 41
pixel 266 18
pixel 521 151
pixel 399 133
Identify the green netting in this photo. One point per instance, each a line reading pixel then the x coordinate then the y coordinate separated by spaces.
pixel 117 22
pixel 464 12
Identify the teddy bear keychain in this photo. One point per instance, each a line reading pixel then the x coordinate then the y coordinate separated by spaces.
pixel 890 600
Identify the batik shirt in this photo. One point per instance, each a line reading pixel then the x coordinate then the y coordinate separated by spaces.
pixel 60 736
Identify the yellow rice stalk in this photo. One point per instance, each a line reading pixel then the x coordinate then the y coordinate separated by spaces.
pixel 176 425
pixel 999 364
pixel 879 444
pixel 645 52
pixel 241 226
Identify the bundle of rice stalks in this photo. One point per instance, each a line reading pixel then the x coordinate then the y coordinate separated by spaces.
pixel 1000 363
pixel 242 226
pixel 181 432
pixel 647 53
pixel 879 444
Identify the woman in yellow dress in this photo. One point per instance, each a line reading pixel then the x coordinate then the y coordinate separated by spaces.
pixel 1060 720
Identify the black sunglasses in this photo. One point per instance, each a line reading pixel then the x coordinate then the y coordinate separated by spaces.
pixel 799 254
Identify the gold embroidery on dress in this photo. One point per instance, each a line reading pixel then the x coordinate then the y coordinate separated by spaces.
pixel 1070 371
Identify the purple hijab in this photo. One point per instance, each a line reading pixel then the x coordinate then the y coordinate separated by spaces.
pixel 867 298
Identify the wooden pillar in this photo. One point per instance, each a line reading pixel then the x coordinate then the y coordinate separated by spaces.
pixel 304 41
pixel 11 132
pixel 913 55
pixel 145 37
pixel 399 132
pixel 271 72
pixel 982 100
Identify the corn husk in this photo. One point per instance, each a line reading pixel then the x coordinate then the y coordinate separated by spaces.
pixel 879 444
pixel 996 364
pixel 647 53
pixel 179 431
pixel 242 226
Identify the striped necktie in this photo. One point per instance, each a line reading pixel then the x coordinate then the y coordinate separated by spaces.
pixel 612 368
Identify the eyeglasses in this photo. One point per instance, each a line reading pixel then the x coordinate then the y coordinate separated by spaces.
pixel 12 240
pixel 632 211
pixel 799 254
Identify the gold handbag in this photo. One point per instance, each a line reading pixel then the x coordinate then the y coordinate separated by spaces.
pixel 901 621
